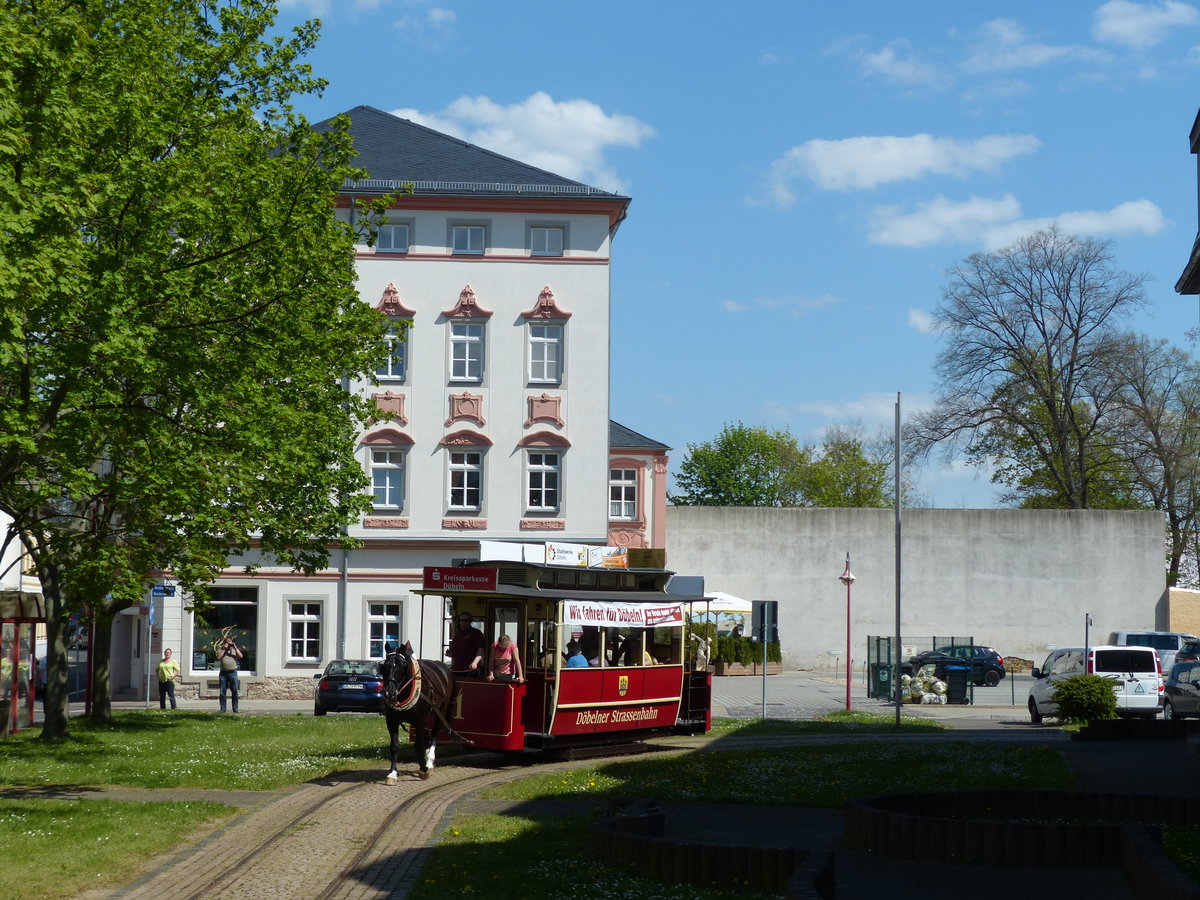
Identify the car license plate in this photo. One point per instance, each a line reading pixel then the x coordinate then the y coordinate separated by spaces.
pixel 353 687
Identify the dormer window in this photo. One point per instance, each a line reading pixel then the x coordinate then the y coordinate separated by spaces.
pixel 392 239
pixel 468 239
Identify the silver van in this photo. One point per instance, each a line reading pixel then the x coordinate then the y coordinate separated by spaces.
pixel 1137 678
pixel 1165 643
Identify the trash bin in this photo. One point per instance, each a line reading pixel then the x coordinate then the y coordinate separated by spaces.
pixel 958 679
pixel 881 681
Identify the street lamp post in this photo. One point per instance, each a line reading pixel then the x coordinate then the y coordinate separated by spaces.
pixel 847 578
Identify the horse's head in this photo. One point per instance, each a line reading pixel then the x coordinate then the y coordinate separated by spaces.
pixel 397 672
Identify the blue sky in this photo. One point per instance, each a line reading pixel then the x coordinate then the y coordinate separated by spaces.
pixel 803 173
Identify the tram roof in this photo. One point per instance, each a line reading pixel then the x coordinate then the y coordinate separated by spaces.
pixel 560 591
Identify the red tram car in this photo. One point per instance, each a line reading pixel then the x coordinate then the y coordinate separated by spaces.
pixel 639 681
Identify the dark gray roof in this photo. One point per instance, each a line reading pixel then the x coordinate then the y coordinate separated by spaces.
pixel 628 439
pixel 398 151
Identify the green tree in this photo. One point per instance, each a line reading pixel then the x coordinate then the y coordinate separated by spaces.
pixel 179 321
pixel 756 466
pixel 1027 369
pixel 842 473
pixel 743 466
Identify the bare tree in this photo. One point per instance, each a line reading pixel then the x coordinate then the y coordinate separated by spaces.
pixel 1158 435
pixel 1026 372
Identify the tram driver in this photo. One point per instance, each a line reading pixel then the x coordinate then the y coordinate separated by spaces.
pixel 466 649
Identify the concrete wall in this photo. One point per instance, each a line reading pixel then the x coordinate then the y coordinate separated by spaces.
pixel 1017 580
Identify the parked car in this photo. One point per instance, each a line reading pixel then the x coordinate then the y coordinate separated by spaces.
pixel 1137 678
pixel 349 685
pixel 987 666
pixel 1166 643
pixel 1181 691
pixel 1189 652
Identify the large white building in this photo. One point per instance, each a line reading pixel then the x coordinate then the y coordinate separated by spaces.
pixel 498 424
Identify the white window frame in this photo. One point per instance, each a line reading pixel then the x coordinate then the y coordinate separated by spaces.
pixel 627 484
pixel 469 240
pixel 461 466
pixel 391 463
pixel 544 238
pixel 543 480
pixel 394 367
pixel 385 624
pixel 307 614
pixel 546 340
pixel 467 351
pixel 386 240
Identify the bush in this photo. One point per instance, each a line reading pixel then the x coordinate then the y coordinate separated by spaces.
pixel 743 650
pixel 1085 698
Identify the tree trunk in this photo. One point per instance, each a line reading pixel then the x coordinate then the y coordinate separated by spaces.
pixel 101 650
pixel 55 726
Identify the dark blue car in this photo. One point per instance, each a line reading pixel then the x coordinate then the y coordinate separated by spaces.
pixel 349 685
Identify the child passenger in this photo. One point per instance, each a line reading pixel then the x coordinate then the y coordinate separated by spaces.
pixel 505 663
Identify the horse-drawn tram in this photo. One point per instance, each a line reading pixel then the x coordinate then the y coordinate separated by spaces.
pixel 603 654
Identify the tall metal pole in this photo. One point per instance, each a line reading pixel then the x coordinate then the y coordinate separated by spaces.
pixel 847 578
pixel 896 646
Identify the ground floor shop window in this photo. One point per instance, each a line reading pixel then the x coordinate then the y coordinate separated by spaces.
pixel 225 612
pixel 383 627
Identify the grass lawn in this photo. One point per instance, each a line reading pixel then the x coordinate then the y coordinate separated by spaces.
pixel 503 856
pixel 59 848
pixel 543 858
pixel 157 749
pixel 816 776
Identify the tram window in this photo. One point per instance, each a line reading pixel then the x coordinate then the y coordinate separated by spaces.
pixel 540 646
pixel 631 649
pixel 667 646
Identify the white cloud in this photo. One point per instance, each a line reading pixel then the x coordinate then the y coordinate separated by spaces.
pixel 940 221
pixel 797 306
pixel 899 64
pixel 871 409
pixel 921 322
pixel 997 223
pixel 567 138
pixel 1134 217
pixel 1003 45
pixel 433 26
pixel 1141 25
pixel 866 162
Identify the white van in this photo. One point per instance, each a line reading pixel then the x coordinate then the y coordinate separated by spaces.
pixel 1166 643
pixel 1134 670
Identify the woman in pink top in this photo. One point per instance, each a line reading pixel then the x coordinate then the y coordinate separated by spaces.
pixel 505 662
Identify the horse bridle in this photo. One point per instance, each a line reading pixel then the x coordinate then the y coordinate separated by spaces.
pixel 414 693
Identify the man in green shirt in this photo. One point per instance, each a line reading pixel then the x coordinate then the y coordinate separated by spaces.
pixel 168 671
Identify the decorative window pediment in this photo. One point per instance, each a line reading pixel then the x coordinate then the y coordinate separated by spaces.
pixel 392 306
pixel 466 438
pixel 545 408
pixel 466 406
pixel 543 439
pixel 387 437
pixel 546 307
pixel 391 406
pixel 467 307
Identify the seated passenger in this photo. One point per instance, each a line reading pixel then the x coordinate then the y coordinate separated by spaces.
pixel 590 645
pixel 575 657
pixel 505 661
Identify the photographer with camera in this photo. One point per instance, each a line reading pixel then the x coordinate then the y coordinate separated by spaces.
pixel 228 655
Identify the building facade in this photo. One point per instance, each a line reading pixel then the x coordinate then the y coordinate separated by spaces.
pixel 1189 281
pixel 495 421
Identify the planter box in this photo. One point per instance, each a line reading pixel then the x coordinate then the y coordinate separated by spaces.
pixel 724 668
